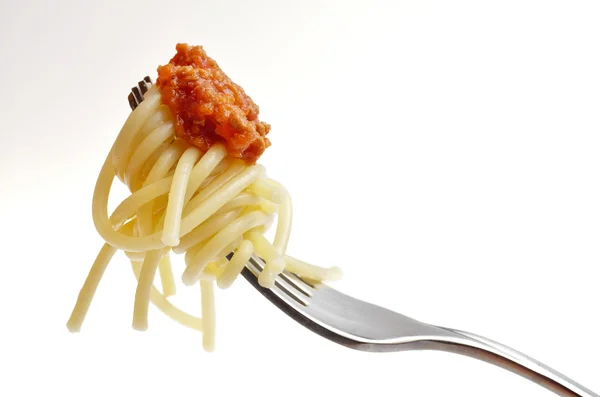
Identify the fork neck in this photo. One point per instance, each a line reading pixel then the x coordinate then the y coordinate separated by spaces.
pixel 484 349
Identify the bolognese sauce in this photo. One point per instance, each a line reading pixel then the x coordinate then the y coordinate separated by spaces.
pixel 208 107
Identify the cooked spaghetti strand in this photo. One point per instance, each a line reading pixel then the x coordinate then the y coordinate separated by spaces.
pixel 236 265
pixel 170 236
pixel 89 287
pixel 142 293
pixel 208 315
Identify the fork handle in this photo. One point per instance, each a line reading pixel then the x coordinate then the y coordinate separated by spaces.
pixel 495 353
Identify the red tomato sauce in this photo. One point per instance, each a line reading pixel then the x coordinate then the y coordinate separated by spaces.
pixel 208 107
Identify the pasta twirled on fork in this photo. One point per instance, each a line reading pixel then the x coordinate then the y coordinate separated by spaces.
pixel 187 154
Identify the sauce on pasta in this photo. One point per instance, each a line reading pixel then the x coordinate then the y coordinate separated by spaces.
pixel 208 107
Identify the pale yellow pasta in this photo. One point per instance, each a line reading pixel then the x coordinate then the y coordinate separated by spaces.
pixel 274 263
pixel 134 122
pixel 284 219
pixel 168 158
pixel 159 116
pixel 207 229
pixel 312 272
pixel 219 241
pixel 128 207
pixel 146 148
pixel 239 259
pixel 228 249
pixel 142 293
pixel 214 269
pixel 235 168
pixel 176 196
pixel 162 303
pixel 89 288
pixel 183 201
pixel 203 169
pixel 266 190
pixel 208 315
pixel 145 224
pixel 166 276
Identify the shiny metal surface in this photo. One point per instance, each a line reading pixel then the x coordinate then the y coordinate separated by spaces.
pixel 363 326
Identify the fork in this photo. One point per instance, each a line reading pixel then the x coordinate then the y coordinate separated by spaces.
pixel 363 326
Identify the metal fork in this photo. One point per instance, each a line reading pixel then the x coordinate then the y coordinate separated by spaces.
pixel 363 326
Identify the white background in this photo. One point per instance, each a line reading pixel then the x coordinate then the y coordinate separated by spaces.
pixel 444 153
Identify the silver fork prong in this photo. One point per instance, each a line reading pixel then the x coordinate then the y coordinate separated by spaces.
pixel 136 96
pixel 139 97
pixel 144 85
pixel 282 285
pixel 292 293
pixel 132 101
pixel 296 282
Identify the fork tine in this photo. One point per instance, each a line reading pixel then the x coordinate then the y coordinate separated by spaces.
pixel 132 102
pixel 143 86
pixel 138 95
pixel 298 283
pixel 282 285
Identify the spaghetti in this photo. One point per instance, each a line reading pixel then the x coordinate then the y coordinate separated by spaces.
pixel 203 201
